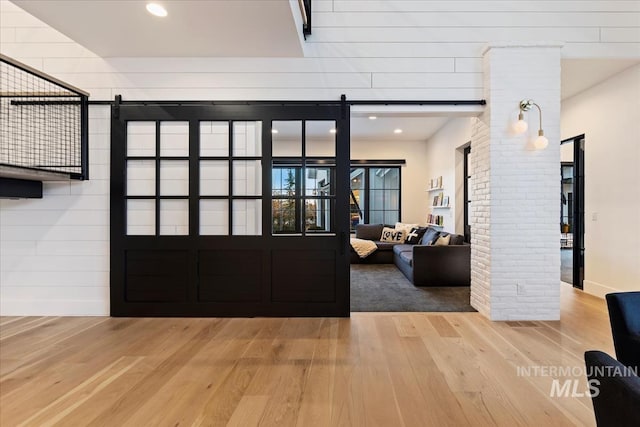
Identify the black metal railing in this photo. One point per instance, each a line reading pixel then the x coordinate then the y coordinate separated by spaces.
pixel 305 9
pixel 43 122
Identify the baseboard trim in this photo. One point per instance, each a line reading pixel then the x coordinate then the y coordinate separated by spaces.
pixel 17 307
pixel 597 289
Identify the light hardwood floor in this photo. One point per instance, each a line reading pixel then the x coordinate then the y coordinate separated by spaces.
pixel 375 369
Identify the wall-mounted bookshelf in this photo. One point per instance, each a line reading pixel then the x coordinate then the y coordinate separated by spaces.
pixel 439 202
pixel 435 184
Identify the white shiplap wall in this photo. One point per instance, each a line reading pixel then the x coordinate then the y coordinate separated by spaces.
pixel 366 49
pixel 54 251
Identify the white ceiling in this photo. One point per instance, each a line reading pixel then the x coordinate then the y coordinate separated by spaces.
pixel 381 129
pixel 418 123
pixel 240 28
pixel 581 74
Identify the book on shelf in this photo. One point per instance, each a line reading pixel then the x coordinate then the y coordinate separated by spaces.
pixel 440 200
pixel 435 219
pixel 435 183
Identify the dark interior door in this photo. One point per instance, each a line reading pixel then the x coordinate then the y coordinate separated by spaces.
pixel 578 212
pixel 230 209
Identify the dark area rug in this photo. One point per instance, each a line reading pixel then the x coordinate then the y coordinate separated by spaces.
pixel 382 287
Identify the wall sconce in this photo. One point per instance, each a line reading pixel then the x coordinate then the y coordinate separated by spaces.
pixel 541 142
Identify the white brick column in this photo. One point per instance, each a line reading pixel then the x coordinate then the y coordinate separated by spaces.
pixel 515 190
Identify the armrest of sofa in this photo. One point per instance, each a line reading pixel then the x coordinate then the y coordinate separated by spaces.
pixel 442 265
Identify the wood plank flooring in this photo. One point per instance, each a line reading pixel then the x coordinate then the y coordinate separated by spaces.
pixel 375 369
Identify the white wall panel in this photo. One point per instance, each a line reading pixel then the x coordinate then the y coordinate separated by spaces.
pixel 216 80
pixel 8 35
pixel 297 94
pixel 478 6
pixel 475 20
pixel 322 48
pixel 460 35
pixel 427 80
pixel 622 35
pixel 245 65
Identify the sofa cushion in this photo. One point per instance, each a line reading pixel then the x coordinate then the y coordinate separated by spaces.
pixel 369 231
pixel 407 257
pixel 405 227
pixel 429 236
pixel 415 235
pixel 385 246
pixel 392 235
pixel 402 248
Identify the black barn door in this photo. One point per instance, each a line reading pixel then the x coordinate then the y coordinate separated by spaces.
pixel 230 209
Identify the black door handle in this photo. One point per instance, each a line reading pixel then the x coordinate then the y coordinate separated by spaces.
pixel 343 242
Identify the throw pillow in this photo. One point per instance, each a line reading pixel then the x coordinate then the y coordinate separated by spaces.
pixel 415 235
pixel 443 240
pixel 456 239
pixel 405 227
pixel 429 236
pixel 392 236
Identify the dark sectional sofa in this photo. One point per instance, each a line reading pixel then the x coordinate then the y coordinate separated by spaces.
pixel 384 253
pixel 422 264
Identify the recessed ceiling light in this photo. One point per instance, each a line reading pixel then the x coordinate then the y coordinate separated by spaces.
pixel 274 130
pixel 397 131
pixel 332 131
pixel 373 117
pixel 156 10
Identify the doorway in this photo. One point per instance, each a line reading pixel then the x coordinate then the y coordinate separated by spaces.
pixel 229 209
pixel 572 211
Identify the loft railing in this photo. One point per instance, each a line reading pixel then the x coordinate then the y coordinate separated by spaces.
pixel 305 10
pixel 43 123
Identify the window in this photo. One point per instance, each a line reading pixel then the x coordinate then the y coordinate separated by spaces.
pixel 159 178
pixel 303 177
pixel 375 195
pixel 291 192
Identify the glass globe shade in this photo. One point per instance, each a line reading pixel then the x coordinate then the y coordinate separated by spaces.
pixel 520 126
pixel 541 142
